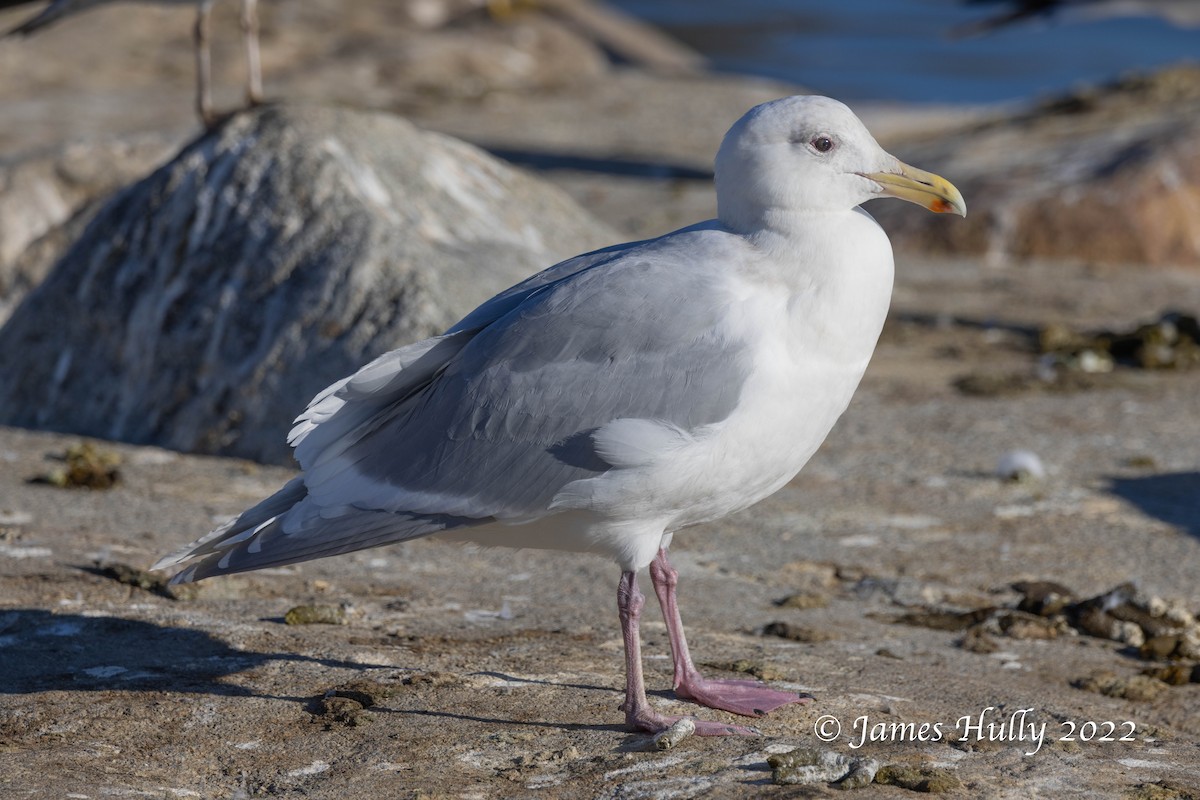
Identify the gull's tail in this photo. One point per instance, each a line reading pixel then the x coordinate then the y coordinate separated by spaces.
pixel 288 527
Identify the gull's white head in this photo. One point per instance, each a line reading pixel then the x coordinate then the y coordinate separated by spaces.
pixel 812 154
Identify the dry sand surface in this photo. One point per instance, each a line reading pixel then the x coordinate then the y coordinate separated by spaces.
pixel 465 673
pixel 498 673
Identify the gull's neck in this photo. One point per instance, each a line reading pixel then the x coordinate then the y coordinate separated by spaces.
pixel 773 228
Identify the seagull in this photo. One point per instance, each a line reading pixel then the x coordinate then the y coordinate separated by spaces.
pixel 620 396
pixel 249 21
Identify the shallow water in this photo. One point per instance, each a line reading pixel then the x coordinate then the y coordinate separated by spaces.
pixel 903 50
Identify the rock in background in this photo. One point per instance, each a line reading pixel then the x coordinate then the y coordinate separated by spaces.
pixel 1108 175
pixel 204 306
pixel 117 70
pixel 47 197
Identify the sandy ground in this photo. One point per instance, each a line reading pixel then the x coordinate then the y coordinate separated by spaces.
pixel 498 673
pixel 463 673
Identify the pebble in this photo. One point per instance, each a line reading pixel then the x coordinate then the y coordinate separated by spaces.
pixel 797 633
pixel 918 779
pixel 1020 466
pixel 14 519
pixel 806 765
pixel 680 730
pixel 1138 688
pixel 315 615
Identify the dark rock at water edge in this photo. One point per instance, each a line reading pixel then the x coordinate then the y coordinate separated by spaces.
pixel 204 306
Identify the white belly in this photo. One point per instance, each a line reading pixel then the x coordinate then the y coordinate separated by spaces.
pixel 812 336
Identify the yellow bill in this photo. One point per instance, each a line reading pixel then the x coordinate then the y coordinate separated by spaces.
pixel 923 188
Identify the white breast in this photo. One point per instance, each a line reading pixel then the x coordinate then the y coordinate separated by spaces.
pixel 812 321
pixel 812 330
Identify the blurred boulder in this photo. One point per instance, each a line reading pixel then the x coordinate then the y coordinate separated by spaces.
pixel 204 306
pixel 40 192
pixel 1107 175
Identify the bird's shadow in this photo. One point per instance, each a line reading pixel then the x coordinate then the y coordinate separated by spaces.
pixel 564 726
pixel 665 694
pixel 1173 497
pixel 42 651
pixel 543 682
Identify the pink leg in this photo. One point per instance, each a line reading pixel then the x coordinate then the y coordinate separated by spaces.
pixel 638 712
pixel 749 698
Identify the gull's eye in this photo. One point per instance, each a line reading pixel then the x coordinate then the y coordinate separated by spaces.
pixel 822 144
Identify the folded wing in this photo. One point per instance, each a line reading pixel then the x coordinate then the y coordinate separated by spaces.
pixel 489 422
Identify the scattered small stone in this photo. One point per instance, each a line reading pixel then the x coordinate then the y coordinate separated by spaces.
pixel 850 573
pixel 989 384
pixel 862 773
pixel 758 669
pixel 344 704
pixel 1172 610
pixel 1019 625
pixel 1046 376
pixel 527 764
pixel 1165 647
pixel 681 729
pixel 1020 466
pixel 810 575
pixel 511 737
pixel 803 600
pixel 1151 625
pixel 1044 598
pixel 1138 688
pixel 14 519
pixel 432 679
pixel 336 710
pixel 1096 622
pixel 85 466
pixel 1141 462
pixel 1162 790
pixel 918 779
pixel 797 633
pixel 366 692
pixel 808 765
pixel 1170 342
pixel 568 753
pixel 1175 674
pixel 940 620
pixel 1161 630
pixel 543 757
pixel 1159 648
pixel 315 615
pixel 977 640
pixel 981 622
pixel 155 583
pixel 1124 615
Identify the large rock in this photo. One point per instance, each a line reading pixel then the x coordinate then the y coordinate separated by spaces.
pixel 1108 175
pixel 204 306
pixel 41 191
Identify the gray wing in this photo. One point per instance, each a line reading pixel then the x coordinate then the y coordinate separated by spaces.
pixel 343 413
pixel 509 420
pixel 493 419
pixel 491 310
